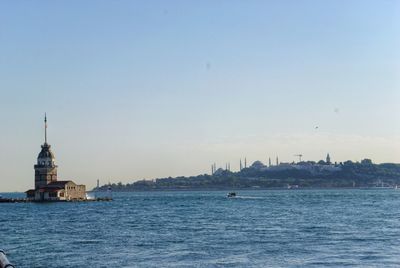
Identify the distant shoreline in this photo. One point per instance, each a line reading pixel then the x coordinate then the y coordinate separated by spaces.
pixel 235 189
pixel 251 189
pixel 302 175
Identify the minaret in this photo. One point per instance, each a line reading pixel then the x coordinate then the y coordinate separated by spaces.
pixel 277 161
pixel 328 159
pixel 240 166
pixel 45 168
pixel 269 161
pixel 245 162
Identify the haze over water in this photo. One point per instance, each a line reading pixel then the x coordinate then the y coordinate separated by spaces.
pixel 277 228
pixel 132 88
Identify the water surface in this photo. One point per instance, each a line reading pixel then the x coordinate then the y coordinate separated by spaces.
pixel 277 228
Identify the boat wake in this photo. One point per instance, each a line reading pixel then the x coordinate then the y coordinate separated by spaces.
pixel 247 197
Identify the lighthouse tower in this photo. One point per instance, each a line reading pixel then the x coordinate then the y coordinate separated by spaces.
pixel 45 168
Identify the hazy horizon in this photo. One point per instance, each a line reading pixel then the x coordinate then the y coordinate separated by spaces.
pixel 153 89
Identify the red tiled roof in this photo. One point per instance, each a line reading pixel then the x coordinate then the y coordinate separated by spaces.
pixel 47 189
pixel 51 187
pixel 58 183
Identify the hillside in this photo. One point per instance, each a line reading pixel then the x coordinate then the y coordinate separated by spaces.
pixel 299 175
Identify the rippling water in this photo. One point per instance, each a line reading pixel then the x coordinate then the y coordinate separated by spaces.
pixel 299 228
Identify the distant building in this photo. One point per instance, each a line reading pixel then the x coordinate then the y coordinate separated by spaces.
pixel 219 171
pixel 47 187
pixel 312 167
pixel 258 165
pixel 328 159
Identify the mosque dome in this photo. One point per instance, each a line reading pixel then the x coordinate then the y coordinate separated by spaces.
pixel 257 164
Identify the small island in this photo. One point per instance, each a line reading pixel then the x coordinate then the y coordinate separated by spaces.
pixel 303 174
pixel 47 186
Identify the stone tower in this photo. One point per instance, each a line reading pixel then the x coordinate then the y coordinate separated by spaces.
pixel 45 168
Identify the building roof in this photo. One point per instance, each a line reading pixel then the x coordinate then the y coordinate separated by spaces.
pixel 257 164
pixel 60 182
pixel 46 152
pixel 55 184
pixel 50 189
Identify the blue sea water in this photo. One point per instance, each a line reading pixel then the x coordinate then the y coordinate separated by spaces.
pixel 277 228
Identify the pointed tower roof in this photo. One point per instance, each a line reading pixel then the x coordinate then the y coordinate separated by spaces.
pixel 45 152
pixel 45 128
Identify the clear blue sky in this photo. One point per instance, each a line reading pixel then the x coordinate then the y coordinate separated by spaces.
pixel 145 89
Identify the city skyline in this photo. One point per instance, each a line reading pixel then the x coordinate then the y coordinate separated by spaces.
pixel 216 166
pixel 137 90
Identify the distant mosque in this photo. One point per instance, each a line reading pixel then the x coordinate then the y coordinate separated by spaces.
pixel 47 187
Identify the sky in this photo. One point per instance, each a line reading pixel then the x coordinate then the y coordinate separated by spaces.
pixel 147 89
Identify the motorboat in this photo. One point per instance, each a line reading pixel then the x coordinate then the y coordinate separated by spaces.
pixel 231 195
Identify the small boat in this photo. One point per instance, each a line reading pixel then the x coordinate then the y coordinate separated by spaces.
pixel 231 195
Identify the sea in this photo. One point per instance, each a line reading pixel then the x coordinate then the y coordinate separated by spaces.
pixel 271 228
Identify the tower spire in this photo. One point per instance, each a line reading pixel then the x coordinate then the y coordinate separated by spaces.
pixel 45 128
